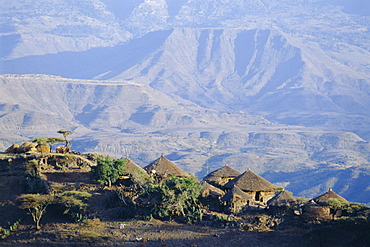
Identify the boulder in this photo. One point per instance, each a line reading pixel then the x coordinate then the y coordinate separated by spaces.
pixel 25 147
pixel 43 148
pixel 62 149
pixel 13 149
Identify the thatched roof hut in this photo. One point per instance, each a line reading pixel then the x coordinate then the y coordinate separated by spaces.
pixel 221 176
pixel 162 167
pixel 329 195
pixel 256 186
pixel 210 190
pixel 249 181
pixel 314 211
pixel 236 194
pixel 236 200
pixel 282 199
pixel 134 171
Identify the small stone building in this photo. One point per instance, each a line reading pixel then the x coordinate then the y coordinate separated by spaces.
pixel 259 188
pixel 313 211
pixel 235 200
pixel 209 190
pixel 282 202
pixel 334 212
pixel 221 176
pixel 210 196
pixel 282 199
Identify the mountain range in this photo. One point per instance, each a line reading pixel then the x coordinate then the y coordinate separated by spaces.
pixel 281 87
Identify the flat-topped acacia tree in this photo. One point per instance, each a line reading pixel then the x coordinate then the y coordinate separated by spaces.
pixel 66 133
pixel 36 204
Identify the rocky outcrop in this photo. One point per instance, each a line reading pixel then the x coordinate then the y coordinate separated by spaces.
pixel 26 147
pixel 62 149
pixel 13 149
pixel 43 148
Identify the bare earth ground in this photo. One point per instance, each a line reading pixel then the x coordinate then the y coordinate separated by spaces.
pixel 147 233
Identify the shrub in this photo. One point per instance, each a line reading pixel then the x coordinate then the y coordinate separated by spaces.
pixel 34 184
pixel 74 203
pixel 176 197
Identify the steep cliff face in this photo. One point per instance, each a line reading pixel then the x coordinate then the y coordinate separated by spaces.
pixel 258 70
pixel 263 71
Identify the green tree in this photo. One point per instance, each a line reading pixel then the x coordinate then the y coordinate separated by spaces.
pixel 302 200
pixel 47 140
pixel 36 205
pixel 108 170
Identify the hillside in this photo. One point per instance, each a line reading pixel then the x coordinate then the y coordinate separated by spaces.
pixel 108 224
pixel 280 87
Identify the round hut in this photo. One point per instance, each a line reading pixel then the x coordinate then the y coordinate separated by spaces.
pixel 333 201
pixel 209 190
pixel 235 200
pixel 329 195
pixel 133 173
pixel 259 188
pixel 210 196
pixel 313 211
pixel 162 168
pixel 282 202
pixel 221 176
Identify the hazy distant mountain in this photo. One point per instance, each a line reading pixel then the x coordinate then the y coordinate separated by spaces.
pixel 275 85
pixel 300 63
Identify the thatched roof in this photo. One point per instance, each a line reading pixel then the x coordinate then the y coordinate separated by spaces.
pixel 249 181
pixel 135 171
pixel 314 210
pixel 163 167
pixel 224 172
pixel 236 194
pixel 282 198
pixel 208 189
pixel 329 195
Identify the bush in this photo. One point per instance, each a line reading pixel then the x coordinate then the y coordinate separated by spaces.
pixel 34 184
pixel 175 197
pixel 74 204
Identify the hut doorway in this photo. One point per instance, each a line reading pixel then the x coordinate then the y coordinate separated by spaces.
pixel 257 196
